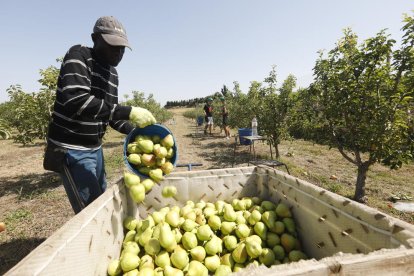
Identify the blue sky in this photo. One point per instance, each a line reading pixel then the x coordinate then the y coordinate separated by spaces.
pixel 184 49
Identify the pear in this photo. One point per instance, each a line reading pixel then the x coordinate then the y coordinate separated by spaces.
pixel 130 223
pixel 198 253
pixel 248 202
pixel 214 222
pixel 129 236
pixel 296 255
pixel 240 205
pixel 146 261
pixel 209 211
pixel 160 161
pixel 212 262
pixel 290 225
pixel 227 227
pixel 189 240
pixel 240 218
pixel 278 228
pixel 267 205
pixel 242 231
pixel 160 152
pixel 158 217
pixel 230 242
pixel 200 219
pixel 134 159
pixel 167 238
pixel 156 139
pixel 288 242
pixel 272 239
pixel 131 147
pixel 254 217
pixel 133 272
pixel 267 257
pixel 147 146
pixel 229 214
pixel 255 238
pixel 156 175
pixel 148 184
pixel 197 269
pixel 269 218
pixel 213 246
pixel 159 271
pixel 171 271
pixel 167 141
pixel 186 209
pixel 178 235
pixel 146 271
pixel 162 259
pixel 279 252
pixel 179 259
pixel 129 261
pixel 261 230
pixel 238 267
pixel 131 247
pixel 223 270
pixel 219 206
pixel 167 167
pixel 188 225
pixel 227 259
pixel 153 247
pixel 137 193
pixel 114 268
pixel 145 236
pixel 190 215
pixel 144 170
pixel 240 253
pixel 254 249
pixel 283 211
pixel 131 179
pixel 172 218
pixel 168 191
pixel 170 153
pixel 204 233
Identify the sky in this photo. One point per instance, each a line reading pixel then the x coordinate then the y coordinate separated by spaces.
pixel 185 49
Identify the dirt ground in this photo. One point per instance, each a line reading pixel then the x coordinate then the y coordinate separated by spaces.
pixel 33 203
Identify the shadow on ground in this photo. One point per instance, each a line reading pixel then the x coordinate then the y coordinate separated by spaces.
pixel 28 185
pixel 224 156
pixel 15 250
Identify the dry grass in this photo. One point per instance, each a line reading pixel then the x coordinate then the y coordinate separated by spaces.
pixel 33 202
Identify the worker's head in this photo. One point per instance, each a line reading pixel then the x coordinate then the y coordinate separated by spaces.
pixel 222 99
pixel 110 40
pixel 209 100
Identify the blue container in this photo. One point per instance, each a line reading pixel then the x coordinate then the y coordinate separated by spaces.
pixel 245 132
pixel 155 129
pixel 200 120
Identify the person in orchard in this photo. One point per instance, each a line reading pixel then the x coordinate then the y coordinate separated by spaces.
pixel 225 115
pixel 86 103
pixel 208 110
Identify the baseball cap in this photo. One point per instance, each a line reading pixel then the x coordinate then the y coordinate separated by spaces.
pixel 112 31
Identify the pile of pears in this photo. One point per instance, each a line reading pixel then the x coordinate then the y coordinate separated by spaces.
pixel 151 155
pixel 208 238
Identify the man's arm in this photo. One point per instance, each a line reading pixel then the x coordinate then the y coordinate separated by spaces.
pixel 121 126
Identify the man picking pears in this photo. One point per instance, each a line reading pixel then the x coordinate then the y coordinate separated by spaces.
pixel 86 103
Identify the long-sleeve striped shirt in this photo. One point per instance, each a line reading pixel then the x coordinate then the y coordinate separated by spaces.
pixel 86 102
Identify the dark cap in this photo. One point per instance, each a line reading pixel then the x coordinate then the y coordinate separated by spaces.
pixel 112 31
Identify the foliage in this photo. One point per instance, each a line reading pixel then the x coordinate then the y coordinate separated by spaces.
pixel 5 130
pixel 138 99
pixel 362 96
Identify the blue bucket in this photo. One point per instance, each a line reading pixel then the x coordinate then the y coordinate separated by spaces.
pixel 245 132
pixel 155 129
pixel 200 120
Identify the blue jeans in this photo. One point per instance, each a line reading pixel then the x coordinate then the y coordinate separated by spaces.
pixel 83 177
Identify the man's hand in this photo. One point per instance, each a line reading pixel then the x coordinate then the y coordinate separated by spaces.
pixel 141 117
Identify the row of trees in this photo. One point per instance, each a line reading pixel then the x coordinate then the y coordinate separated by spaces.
pixel 25 117
pixel 361 102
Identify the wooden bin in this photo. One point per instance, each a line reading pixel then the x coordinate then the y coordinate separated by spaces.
pixel 341 236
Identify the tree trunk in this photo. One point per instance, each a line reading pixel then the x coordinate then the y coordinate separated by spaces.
pixel 277 151
pixel 360 183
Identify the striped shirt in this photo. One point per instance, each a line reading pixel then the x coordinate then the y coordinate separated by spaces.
pixel 86 102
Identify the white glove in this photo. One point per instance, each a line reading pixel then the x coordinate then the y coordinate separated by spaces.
pixel 141 117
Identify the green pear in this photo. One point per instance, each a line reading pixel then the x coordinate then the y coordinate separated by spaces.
pixel 229 214
pixel 172 271
pixel 156 139
pixel 146 271
pixel 198 253
pixel 162 259
pixel 227 227
pixel 146 261
pixel 214 222
pixel 255 238
pixel 278 228
pixel 160 152
pixel 160 161
pixel 131 247
pixel 223 270
pixel 254 217
pixel 133 272
pixel 167 238
pixel 156 175
pixel 189 240
pixel 148 184
pixel 144 170
pixel 230 242
pixel 288 242
pixel 129 236
pixel 212 262
pixel 172 218
pixel 239 254
pixel 227 259
pixel 296 255
pixel 169 191
pixel 188 225
pixel 130 223
pixel 158 217
pixel 179 259
pixel 114 268
pixel 145 236
pixel 282 210
pixel 214 246
pixel 131 179
pixel 204 233
pixel 242 231
pixel 269 218
pixel 178 235
pixel 267 257
pixel 167 141
pixel 170 153
pixel 134 159
pixel 137 193
pixel 290 225
pixel 167 167
pixel 197 269
pixel 209 211
pixel 261 230
pixel 131 147
pixel 253 249
pixel 129 261
pixel 147 146
pixel 267 205
pixel 279 252
pixel 152 247
pixel 272 239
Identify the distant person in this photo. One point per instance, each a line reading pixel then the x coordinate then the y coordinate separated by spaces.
pixel 86 103
pixel 208 110
pixel 225 115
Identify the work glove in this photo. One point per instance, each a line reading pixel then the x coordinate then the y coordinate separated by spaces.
pixel 141 117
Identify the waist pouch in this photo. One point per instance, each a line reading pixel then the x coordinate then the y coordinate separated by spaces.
pixel 54 158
